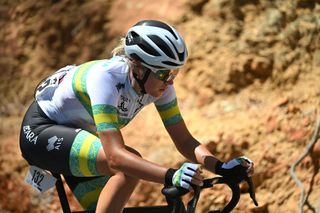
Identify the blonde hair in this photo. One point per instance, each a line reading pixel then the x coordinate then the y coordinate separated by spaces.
pixel 119 50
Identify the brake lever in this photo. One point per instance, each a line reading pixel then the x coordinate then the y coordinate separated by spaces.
pixel 217 180
pixel 252 190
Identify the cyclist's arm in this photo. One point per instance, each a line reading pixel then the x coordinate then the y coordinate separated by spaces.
pixel 119 158
pixel 189 147
pixel 104 98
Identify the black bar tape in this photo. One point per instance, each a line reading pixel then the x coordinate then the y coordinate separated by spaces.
pixel 169 176
pixel 217 168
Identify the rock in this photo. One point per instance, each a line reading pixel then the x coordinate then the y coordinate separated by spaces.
pixel 272 124
pixel 268 50
pixel 260 209
pixel 281 102
pixel 261 67
pixel 298 135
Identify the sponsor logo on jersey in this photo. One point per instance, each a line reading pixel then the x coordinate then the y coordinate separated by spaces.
pixel 140 105
pixel 54 143
pixel 123 105
pixel 30 136
pixel 120 86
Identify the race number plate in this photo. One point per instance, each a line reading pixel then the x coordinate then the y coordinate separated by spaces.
pixel 40 179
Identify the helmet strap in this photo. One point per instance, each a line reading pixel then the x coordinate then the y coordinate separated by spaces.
pixel 142 81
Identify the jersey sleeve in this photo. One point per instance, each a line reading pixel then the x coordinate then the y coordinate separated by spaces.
pixel 104 97
pixel 167 107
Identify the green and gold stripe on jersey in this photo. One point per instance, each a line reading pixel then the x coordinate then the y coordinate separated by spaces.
pixel 169 113
pixel 79 84
pixel 105 117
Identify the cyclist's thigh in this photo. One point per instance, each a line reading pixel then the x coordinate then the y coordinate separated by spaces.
pixel 67 151
pixel 44 143
pixel 58 148
pixel 52 149
pixel 84 155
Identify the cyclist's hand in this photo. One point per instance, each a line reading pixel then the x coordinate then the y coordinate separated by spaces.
pixel 237 169
pixel 188 173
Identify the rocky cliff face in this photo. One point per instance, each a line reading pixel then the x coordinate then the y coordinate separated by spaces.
pixel 250 87
pixel 236 44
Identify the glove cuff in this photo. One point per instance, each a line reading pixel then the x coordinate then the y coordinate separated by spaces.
pixel 169 176
pixel 218 167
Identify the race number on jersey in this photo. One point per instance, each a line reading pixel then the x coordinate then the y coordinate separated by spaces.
pixel 48 86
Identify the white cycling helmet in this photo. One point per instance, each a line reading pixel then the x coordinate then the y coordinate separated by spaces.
pixel 156 45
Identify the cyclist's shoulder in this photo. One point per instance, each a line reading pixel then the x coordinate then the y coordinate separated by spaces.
pixel 170 91
pixel 114 68
pixel 116 63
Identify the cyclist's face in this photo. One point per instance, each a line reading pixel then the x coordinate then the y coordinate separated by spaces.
pixel 156 87
pixel 157 81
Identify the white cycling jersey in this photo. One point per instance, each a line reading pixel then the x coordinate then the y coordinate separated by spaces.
pixel 98 95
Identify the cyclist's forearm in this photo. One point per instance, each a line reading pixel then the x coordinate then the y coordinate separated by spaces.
pixel 197 153
pixel 135 166
pixel 121 159
pixel 206 158
pixel 191 148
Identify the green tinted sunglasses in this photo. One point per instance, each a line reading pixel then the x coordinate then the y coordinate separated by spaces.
pixel 166 75
pixel 163 75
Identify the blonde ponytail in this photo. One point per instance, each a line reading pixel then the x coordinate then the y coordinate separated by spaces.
pixel 119 50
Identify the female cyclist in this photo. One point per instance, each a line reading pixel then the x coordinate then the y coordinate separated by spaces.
pixel 74 125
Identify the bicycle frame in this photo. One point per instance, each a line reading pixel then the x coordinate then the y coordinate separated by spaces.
pixel 173 196
pixel 176 205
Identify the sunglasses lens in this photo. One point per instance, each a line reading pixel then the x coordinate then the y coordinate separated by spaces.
pixel 166 75
pixel 162 74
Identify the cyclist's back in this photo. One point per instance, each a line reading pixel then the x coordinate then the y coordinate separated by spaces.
pixel 76 100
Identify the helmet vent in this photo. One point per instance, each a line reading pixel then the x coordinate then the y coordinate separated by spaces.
pixel 134 39
pixel 162 45
pixel 170 63
pixel 131 38
pixel 155 23
pixel 137 57
pixel 180 55
pixel 148 49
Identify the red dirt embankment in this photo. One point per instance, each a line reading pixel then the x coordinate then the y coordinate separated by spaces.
pixel 250 87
